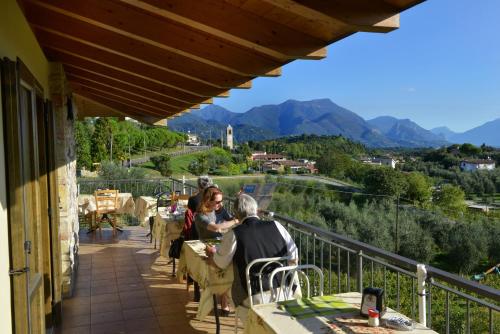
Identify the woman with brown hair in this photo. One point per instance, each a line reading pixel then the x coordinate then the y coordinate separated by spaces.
pixel 208 227
pixel 206 222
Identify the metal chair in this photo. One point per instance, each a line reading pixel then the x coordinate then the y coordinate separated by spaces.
pixel 292 274
pixel 267 267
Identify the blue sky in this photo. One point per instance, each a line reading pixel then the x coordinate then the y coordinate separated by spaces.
pixel 441 67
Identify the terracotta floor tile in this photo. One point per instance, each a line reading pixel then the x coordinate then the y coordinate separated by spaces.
pixel 138 313
pixel 76 321
pixel 105 298
pixel 138 293
pixel 106 317
pixel 103 282
pixel 131 303
pixel 100 290
pixel 76 330
pixel 109 328
pixel 82 292
pixel 131 290
pixel 106 307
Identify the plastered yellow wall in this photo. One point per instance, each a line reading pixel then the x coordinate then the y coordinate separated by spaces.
pixel 16 41
pixel 5 314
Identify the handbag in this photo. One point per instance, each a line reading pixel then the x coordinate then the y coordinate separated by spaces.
pixel 175 248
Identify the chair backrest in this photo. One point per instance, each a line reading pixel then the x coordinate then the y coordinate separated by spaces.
pixel 292 275
pixel 267 262
pixel 163 200
pixel 181 199
pixel 106 201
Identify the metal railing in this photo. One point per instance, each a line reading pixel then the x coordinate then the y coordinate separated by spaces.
pixel 440 300
pixel 346 261
pixel 142 187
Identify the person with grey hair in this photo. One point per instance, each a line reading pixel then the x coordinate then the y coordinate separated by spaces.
pixel 251 239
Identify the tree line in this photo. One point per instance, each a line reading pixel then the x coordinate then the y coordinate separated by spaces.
pixel 107 139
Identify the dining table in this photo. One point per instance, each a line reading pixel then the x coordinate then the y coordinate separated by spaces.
pixel 167 227
pixel 213 281
pixel 145 207
pixel 124 204
pixel 334 314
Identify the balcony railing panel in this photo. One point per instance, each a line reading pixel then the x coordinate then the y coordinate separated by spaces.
pixel 451 303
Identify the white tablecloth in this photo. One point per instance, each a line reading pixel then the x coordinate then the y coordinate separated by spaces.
pixel 270 319
pixel 125 204
pixel 145 207
pixel 211 279
pixel 168 226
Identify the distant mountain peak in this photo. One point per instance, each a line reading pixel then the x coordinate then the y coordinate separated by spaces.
pixel 318 116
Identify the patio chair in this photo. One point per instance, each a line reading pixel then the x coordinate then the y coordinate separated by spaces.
pixel 267 265
pixel 163 201
pixel 106 202
pixel 292 274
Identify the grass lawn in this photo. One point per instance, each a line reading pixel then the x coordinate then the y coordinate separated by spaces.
pixel 180 164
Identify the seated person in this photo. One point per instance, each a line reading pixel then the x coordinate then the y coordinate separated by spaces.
pixel 189 231
pixel 206 222
pixel 252 239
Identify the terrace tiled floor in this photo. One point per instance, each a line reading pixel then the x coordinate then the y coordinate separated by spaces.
pixel 124 286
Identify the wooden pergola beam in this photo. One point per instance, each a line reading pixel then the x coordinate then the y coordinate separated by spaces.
pixel 98 105
pixel 239 27
pixel 359 15
pixel 89 108
pixel 123 85
pixel 183 71
pixel 71 59
pixel 120 92
pixel 147 30
pixel 123 63
pixel 108 96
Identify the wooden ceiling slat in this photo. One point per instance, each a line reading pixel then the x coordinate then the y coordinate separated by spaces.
pixel 68 58
pixel 49 39
pixel 361 15
pixel 112 101
pixel 236 25
pixel 321 26
pixel 123 85
pixel 90 108
pixel 118 91
pixel 133 23
pixel 187 71
pixel 152 59
pixel 117 106
pixel 119 96
pixel 196 70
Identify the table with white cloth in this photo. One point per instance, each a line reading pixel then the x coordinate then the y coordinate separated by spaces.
pixel 275 318
pixel 87 206
pixel 124 204
pixel 212 280
pixel 167 227
pixel 145 207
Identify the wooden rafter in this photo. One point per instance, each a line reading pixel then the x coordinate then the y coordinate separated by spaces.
pixel 238 26
pixel 127 23
pixel 152 59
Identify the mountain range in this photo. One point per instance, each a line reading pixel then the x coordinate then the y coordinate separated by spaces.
pixel 321 117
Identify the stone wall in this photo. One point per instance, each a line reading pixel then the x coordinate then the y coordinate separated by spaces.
pixel 65 117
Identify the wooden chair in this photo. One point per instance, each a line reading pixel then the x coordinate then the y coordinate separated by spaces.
pixel 106 202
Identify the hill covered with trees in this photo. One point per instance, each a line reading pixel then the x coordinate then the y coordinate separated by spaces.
pixel 107 139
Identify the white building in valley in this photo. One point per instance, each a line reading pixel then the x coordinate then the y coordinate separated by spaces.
pixel 474 165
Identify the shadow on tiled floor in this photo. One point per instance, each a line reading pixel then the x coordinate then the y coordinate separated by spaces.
pixel 124 286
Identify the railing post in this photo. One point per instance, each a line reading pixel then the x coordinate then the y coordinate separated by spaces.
pixel 421 278
pixel 360 271
pixel 183 185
